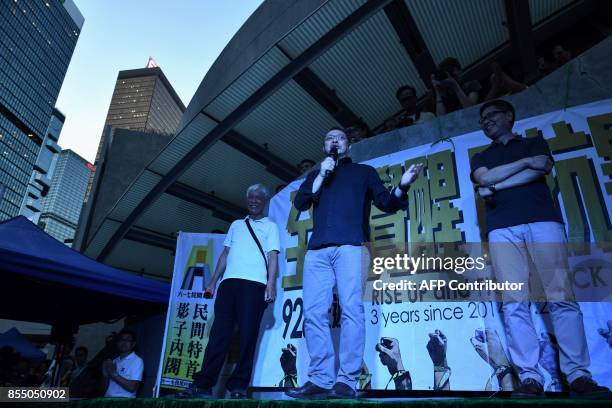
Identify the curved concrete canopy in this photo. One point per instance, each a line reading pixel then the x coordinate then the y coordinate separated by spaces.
pixel 285 43
pixel 274 83
pixel 272 21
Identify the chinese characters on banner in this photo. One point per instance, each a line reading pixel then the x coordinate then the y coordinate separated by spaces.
pixel 443 209
pixel 190 315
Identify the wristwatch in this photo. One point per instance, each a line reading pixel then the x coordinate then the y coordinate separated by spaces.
pixel 492 188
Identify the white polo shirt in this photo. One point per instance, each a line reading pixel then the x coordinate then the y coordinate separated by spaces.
pixel 244 260
pixel 130 368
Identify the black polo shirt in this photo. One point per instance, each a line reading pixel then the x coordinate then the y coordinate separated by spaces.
pixel 341 213
pixel 523 204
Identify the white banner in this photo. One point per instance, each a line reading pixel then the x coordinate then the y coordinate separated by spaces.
pixel 190 315
pixel 580 140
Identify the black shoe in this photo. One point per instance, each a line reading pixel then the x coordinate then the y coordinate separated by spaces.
pixel 585 386
pixel 308 391
pixel 529 388
pixel 238 394
pixel 341 390
pixel 192 392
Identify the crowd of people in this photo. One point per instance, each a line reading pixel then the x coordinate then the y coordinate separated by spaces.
pixel 18 371
pixel 341 193
pixel 449 92
pixel 116 371
pixel 509 175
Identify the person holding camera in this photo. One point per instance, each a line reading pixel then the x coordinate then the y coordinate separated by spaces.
pixel 451 92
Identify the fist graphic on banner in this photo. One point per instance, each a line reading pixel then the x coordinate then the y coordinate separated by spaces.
pixel 288 360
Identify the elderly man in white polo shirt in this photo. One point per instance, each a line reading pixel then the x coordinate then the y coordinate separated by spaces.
pixel 248 266
pixel 124 372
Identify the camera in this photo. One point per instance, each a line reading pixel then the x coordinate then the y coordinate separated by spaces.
pixel 440 75
pixel 404 121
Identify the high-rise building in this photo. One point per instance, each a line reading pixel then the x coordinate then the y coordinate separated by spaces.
pixel 143 100
pixel 40 179
pixel 144 109
pixel 37 39
pixel 61 207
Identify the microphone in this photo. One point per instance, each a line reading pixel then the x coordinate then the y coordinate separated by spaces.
pixel 333 153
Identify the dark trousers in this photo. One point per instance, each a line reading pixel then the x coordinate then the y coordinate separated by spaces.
pixel 240 302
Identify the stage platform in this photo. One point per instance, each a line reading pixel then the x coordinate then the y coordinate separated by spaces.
pixel 384 399
pixel 425 403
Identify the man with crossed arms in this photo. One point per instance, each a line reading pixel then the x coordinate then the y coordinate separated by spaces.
pixel 524 224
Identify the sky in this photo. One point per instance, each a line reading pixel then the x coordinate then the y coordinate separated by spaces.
pixel 183 36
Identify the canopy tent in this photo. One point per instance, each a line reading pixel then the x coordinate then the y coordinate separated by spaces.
pixel 45 281
pixel 15 340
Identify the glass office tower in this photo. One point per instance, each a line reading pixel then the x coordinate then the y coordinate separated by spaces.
pixel 37 39
pixel 143 100
pixel 61 208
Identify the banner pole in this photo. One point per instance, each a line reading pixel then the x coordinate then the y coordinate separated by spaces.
pixel 163 348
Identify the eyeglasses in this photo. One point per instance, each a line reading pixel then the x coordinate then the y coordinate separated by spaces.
pixel 407 98
pixel 489 116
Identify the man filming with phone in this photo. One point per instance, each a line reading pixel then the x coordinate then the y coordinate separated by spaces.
pixel 451 92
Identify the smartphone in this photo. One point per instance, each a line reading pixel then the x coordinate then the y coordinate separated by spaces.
pixel 440 75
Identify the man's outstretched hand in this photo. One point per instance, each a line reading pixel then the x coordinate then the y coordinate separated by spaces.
pixel 410 175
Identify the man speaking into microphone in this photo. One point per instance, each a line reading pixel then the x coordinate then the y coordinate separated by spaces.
pixel 341 193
